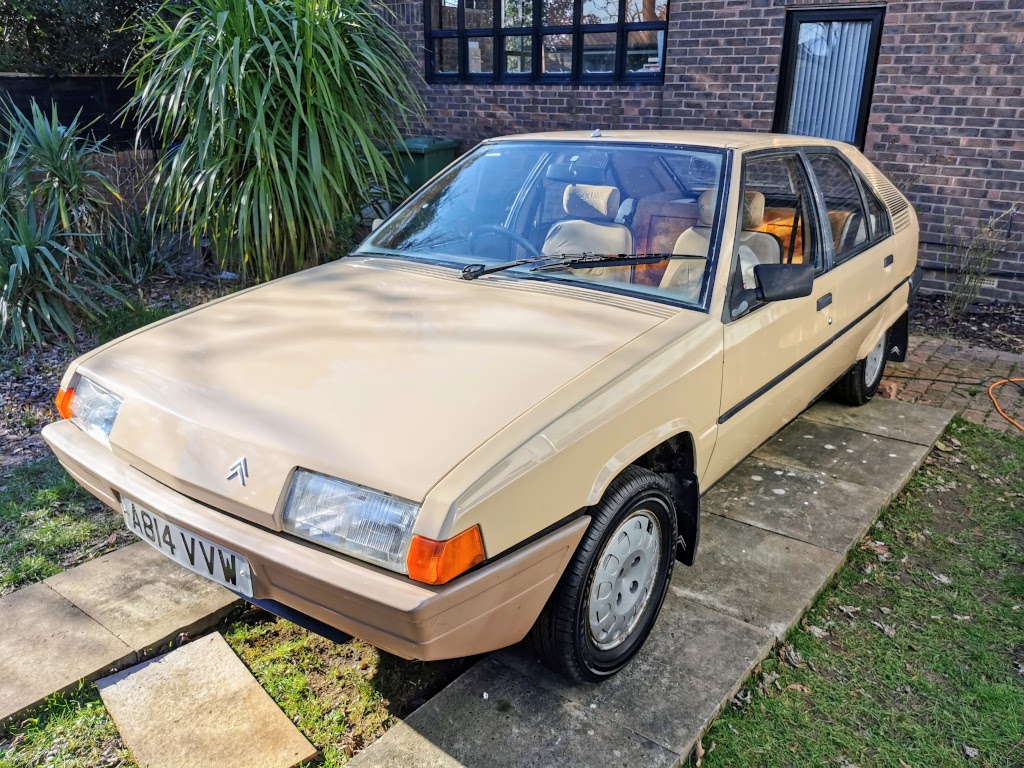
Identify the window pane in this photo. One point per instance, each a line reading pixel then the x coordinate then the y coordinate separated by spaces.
pixel 479 14
pixel 519 54
pixel 600 11
pixel 446 56
pixel 557 54
pixel 646 10
pixel 846 215
pixel 516 13
pixel 828 80
pixel 557 12
pixel 645 51
pixel 777 217
pixel 599 53
pixel 481 54
pixel 444 14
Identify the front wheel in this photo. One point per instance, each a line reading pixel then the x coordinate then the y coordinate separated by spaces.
pixel 610 595
pixel 861 382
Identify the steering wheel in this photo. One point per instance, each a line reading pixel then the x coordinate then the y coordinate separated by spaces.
pixel 508 234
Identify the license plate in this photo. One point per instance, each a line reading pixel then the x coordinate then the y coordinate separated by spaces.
pixel 194 552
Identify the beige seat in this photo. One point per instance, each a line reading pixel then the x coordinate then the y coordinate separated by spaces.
pixel 755 247
pixel 683 276
pixel 591 228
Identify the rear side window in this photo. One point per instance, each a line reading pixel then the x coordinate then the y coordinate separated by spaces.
pixel 847 217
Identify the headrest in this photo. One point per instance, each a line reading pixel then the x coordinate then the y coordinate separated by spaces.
pixel 753 210
pixel 706 207
pixel 589 201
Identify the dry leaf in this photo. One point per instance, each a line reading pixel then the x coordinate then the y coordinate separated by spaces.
pixel 698 750
pixel 970 751
pixel 889 630
pixel 798 687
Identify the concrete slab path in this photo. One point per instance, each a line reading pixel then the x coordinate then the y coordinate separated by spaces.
pixel 774 532
pixel 100 615
pixel 199 706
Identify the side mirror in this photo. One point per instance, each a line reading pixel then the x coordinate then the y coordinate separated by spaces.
pixel 376 223
pixel 778 282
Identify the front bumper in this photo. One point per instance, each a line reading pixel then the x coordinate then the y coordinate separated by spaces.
pixel 486 609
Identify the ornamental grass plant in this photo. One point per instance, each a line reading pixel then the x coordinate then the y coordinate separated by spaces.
pixel 279 118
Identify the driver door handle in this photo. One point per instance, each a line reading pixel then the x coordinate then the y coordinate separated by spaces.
pixel 824 301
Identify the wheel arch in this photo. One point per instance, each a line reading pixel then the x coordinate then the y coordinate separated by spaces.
pixel 672 453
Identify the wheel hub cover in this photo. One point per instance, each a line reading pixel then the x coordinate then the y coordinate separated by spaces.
pixel 624 579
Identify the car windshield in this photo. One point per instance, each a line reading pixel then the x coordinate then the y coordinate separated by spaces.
pixel 521 200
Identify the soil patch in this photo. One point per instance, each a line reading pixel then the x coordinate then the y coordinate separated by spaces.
pixel 993 326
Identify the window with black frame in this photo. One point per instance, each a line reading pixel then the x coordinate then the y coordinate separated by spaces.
pixel 546 40
pixel 829 57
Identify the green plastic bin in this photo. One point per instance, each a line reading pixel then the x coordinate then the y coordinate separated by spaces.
pixel 427 156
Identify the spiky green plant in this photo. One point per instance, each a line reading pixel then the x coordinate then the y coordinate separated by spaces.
pixel 283 115
pixel 43 280
pixel 56 165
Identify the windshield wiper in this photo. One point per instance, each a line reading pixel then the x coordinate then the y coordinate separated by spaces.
pixel 563 261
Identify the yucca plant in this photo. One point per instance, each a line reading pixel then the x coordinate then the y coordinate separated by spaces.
pixel 282 115
pixel 53 196
pixel 56 165
pixel 43 281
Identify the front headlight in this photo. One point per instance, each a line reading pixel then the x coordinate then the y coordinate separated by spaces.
pixel 91 407
pixel 350 519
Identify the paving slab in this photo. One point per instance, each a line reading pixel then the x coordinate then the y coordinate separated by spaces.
pixel 142 597
pixel 886 418
pixel 48 645
pixel 199 706
pixel 799 503
pixel 854 456
pixel 754 575
pixel 518 724
pixel 760 566
pixel 694 661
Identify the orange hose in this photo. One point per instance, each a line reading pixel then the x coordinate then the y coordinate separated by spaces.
pixel 992 396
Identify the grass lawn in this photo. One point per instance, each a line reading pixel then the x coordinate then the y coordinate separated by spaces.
pixel 48 524
pixel 914 655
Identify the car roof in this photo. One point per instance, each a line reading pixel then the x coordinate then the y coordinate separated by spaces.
pixel 720 139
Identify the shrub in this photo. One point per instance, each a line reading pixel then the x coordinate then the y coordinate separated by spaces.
pixel 51 197
pixel 284 114
pixel 969 257
pixel 42 280
pixel 67 37
pixel 129 249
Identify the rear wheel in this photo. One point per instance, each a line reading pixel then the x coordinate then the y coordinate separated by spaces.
pixel 861 382
pixel 610 595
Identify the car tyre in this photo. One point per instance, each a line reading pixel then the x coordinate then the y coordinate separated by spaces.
pixel 861 382
pixel 600 614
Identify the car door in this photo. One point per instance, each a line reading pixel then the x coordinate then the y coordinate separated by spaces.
pixel 772 362
pixel 861 252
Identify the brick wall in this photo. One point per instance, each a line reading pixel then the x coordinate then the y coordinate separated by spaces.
pixel 947 114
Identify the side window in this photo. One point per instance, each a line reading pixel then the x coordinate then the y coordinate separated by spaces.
pixel 847 218
pixel 777 223
pixel 878 216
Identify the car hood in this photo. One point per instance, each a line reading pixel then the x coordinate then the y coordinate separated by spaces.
pixel 382 372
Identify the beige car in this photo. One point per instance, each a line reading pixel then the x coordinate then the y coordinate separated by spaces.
pixel 497 416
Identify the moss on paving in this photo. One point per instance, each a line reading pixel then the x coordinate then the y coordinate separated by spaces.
pixel 48 523
pixel 914 656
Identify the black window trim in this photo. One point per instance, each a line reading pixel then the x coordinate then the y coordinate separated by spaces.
pixel 873 13
pixel 858 182
pixel 537 31
pixel 797 151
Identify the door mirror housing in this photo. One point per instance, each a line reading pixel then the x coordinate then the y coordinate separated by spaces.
pixel 376 223
pixel 778 282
